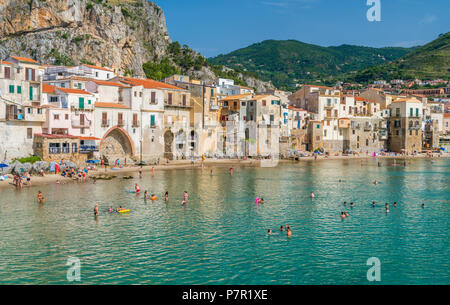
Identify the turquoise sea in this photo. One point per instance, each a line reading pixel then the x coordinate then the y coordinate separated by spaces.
pixel 220 236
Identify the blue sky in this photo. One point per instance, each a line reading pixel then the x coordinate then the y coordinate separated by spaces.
pixel 213 27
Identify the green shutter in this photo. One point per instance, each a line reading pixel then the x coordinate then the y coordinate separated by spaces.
pixel 89 102
pixel 417 112
pixel 11 88
pixel 411 112
pixel 31 93
pixel 152 120
pixel 81 102
pixel 19 89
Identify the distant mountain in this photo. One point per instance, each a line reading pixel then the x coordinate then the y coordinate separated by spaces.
pixel 285 62
pixel 430 61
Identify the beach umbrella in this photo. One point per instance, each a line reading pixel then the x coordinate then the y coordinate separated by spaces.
pixel 2 166
pixel 93 161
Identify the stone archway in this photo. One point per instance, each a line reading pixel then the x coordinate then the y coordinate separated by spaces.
pixel 168 141
pixel 116 144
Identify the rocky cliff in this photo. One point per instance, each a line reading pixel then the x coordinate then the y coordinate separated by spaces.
pixel 123 34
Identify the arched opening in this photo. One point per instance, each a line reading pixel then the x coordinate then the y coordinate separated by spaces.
pixel 116 144
pixel 168 140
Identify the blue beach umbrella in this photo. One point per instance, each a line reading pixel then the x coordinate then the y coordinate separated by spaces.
pixel 2 166
pixel 93 161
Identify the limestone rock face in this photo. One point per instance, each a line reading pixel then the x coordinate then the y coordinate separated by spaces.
pixel 120 34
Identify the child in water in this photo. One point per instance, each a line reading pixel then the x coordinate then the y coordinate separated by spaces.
pixel 186 197
pixel 166 196
pixel 110 210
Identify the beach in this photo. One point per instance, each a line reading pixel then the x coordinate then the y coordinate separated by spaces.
pixel 208 164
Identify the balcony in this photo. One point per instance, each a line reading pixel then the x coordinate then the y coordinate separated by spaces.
pixel 121 123
pixel 136 124
pixel 367 127
pixel 85 149
pixel 105 123
pixel 79 124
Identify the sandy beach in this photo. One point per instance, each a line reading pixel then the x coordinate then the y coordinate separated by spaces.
pixel 187 164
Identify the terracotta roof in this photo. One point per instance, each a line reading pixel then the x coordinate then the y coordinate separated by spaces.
pixel 236 97
pixel 110 105
pixel 408 100
pixel 55 136
pixel 46 88
pixel 74 91
pixel 148 83
pixel 362 99
pixel 24 59
pixel 49 106
pixel 447 115
pixel 106 83
pixel 295 108
pixel 97 67
pixel 89 138
pixel 6 63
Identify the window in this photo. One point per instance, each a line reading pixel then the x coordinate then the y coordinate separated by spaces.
pixel 152 120
pixel 324 132
pixel 65 148
pixel 367 142
pixel 235 104
pixel 30 110
pixel 140 94
pixel 89 102
pixel 19 89
pixel 153 97
pixel 53 99
pixel 104 118
pixel 39 111
pixel 11 88
pixel 184 100
pixel 7 72
pixel 411 111
pixel 135 93
pixel 135 119
pixel 54 148
pixel 66 116
pixel 170 99
pixel 96 74
pixel 417 111
pixel 81 102
pixel 82 130
pixel 397 111
pixel 74 148
pixel 417 132
pixel 243 104
pixel 264 103
pixel 56 117
pixel 318 126
pixel 29 133
pixel 410 132
pixel 31 93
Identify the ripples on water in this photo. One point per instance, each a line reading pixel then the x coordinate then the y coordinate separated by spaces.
pixel 220 236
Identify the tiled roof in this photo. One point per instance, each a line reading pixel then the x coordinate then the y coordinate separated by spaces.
pixel 46 88
pixel 89 138
pixel 6 63
pixel 110 105
pixel 295 108
pixel 24 59
pixel 106 83
pixel 97 67
pixel 55 136
pixel 236 97
pixel 74 91
pixel 148 83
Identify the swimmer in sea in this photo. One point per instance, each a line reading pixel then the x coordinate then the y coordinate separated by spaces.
pixel 137 188
pixel 166 196
pixel 375 182
pixel 39 197
pixel 345 203
pixel 145 195
pixel 281 228
pixel 386 206
pixel 373 203
pixel 211 173
pixel 287 227
pixel 269 232
pixel 110 210
pixel 289 233
pixel 185 197
pixel 153 197
pixel 395 203
pixel 351 204
pixel 423 205
pixel 311 195
pixel 261 200
pixel 96 210
pixel 346 213
pixel 342 215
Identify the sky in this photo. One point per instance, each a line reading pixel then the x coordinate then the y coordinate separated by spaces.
pixel 215 27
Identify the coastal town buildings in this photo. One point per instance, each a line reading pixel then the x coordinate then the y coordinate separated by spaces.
pixel 88 111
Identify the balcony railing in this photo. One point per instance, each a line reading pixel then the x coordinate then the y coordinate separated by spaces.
pixel 79 124
pixel 105 123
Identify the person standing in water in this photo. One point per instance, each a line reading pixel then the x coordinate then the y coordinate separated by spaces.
pixel 140 172
pixel 153 171
pixel 137 188
pixel 289 232
pixel 96 210
pixel 186 198
pixel 166 197
pixel 311 195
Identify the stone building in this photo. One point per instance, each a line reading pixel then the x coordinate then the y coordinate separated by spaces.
pixel 53 148
pixel 405 126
